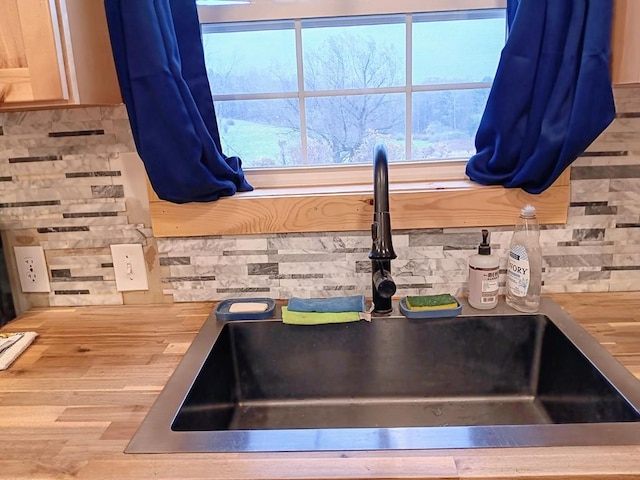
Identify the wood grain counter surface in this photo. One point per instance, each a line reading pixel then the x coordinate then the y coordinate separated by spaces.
pixel 71 403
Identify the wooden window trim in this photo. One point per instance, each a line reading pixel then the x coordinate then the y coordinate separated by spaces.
pixel 442 204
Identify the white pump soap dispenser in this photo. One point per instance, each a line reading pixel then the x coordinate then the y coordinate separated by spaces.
pixel 483 276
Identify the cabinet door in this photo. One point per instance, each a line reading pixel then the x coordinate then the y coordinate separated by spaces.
pixel 625 62
pixel 31 60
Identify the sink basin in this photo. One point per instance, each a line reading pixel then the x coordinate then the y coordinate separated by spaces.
pixel 476 380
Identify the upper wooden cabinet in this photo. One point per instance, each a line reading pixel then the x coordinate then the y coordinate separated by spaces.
pixel 625 61
pixel 55 53
pixel 31 61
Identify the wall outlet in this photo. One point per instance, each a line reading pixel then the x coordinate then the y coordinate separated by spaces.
pixel 130 267
pixel 32 269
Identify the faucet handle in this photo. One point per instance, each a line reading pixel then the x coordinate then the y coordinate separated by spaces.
pixel 375 226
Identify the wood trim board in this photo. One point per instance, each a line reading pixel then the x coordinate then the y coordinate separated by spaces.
pixel 439 205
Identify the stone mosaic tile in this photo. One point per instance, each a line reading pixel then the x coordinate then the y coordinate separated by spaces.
pixel 197 295
pixel 245 290
pixel 57 145
pixel 622 235
pixel 316 267
pixel 106 207
pixel 601 171
pixel 601 210
pixel 262 269
pixel 624 198
pixel 363 281
pixel 76 133
pixel 333 243
pixel 589 161
pixel 423 239
pixel 624 185
pixel 80 260
pixel 325 257
pixel 610 154
pixel 628 276
pixel 118 112
pixel 85 215
pixel 70 291
pixel 418 253
pixel 84 299
pixel 593 276
pixel 63 229
pixel 33 203
pixel 107 191
pixel 624 285
pixel 297 276
pixel 628 115
pixel 35 159
pixel 198 279
pixel 577 260
pixel 86 278
pixel 175 261
pixel 588 234
pixel 552 276
pixel 92 174
pixel 186 246
pixel 87 287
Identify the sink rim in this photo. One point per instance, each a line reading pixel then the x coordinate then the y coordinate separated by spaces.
pixel 156 436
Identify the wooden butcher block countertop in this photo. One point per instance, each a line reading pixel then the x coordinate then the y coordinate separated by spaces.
pixel 71 403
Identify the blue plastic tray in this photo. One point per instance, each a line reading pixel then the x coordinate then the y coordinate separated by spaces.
pixel 222 309
pixel 449 312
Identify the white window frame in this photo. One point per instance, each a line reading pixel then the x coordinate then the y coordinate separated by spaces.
pixel 255 10
pixel 344 175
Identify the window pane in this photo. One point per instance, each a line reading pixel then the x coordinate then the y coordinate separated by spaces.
pixel 261 61
pixel 355 87
pixel 263 133
pixel 343 129
pixel 456 51
pixel 346 57
pixel 444 123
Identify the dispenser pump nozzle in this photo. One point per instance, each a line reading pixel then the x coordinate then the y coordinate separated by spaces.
pixel 485 247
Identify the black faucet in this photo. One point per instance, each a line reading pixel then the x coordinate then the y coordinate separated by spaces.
pixel 382 248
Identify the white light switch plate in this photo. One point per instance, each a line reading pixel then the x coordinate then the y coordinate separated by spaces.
pixel 130 267
pixel 32 269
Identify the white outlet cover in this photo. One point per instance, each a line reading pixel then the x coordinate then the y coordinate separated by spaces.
pixel 32 269
pixel 130 267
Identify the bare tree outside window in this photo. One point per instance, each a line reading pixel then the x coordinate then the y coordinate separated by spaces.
pixel 354 89
pixel 343 123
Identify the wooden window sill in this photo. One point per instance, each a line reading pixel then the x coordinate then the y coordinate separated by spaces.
pixel 443 204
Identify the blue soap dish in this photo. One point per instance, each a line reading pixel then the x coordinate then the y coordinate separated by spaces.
pixel 440 313
pixel 224 310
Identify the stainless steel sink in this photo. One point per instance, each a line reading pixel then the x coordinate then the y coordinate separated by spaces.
pixel 477 380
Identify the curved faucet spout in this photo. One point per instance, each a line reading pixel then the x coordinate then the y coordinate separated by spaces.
pixel 380 179
pixel 382 246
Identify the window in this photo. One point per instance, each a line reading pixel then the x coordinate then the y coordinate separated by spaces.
pixel 449 79
pixel 313 86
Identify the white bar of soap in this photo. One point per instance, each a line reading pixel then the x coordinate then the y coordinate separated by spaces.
pixel 248 307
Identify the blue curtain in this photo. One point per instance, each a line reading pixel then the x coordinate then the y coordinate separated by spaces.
pixel 551 96
pixel 160 65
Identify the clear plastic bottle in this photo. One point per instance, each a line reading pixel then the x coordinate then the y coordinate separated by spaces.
pixel 484 272
pixel 524 265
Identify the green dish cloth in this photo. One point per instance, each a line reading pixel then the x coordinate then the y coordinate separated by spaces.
pixel 318 318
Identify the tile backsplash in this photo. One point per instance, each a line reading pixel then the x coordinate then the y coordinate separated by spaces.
pixel 70 181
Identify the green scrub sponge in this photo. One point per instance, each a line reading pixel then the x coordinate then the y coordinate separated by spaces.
pixel 431 302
